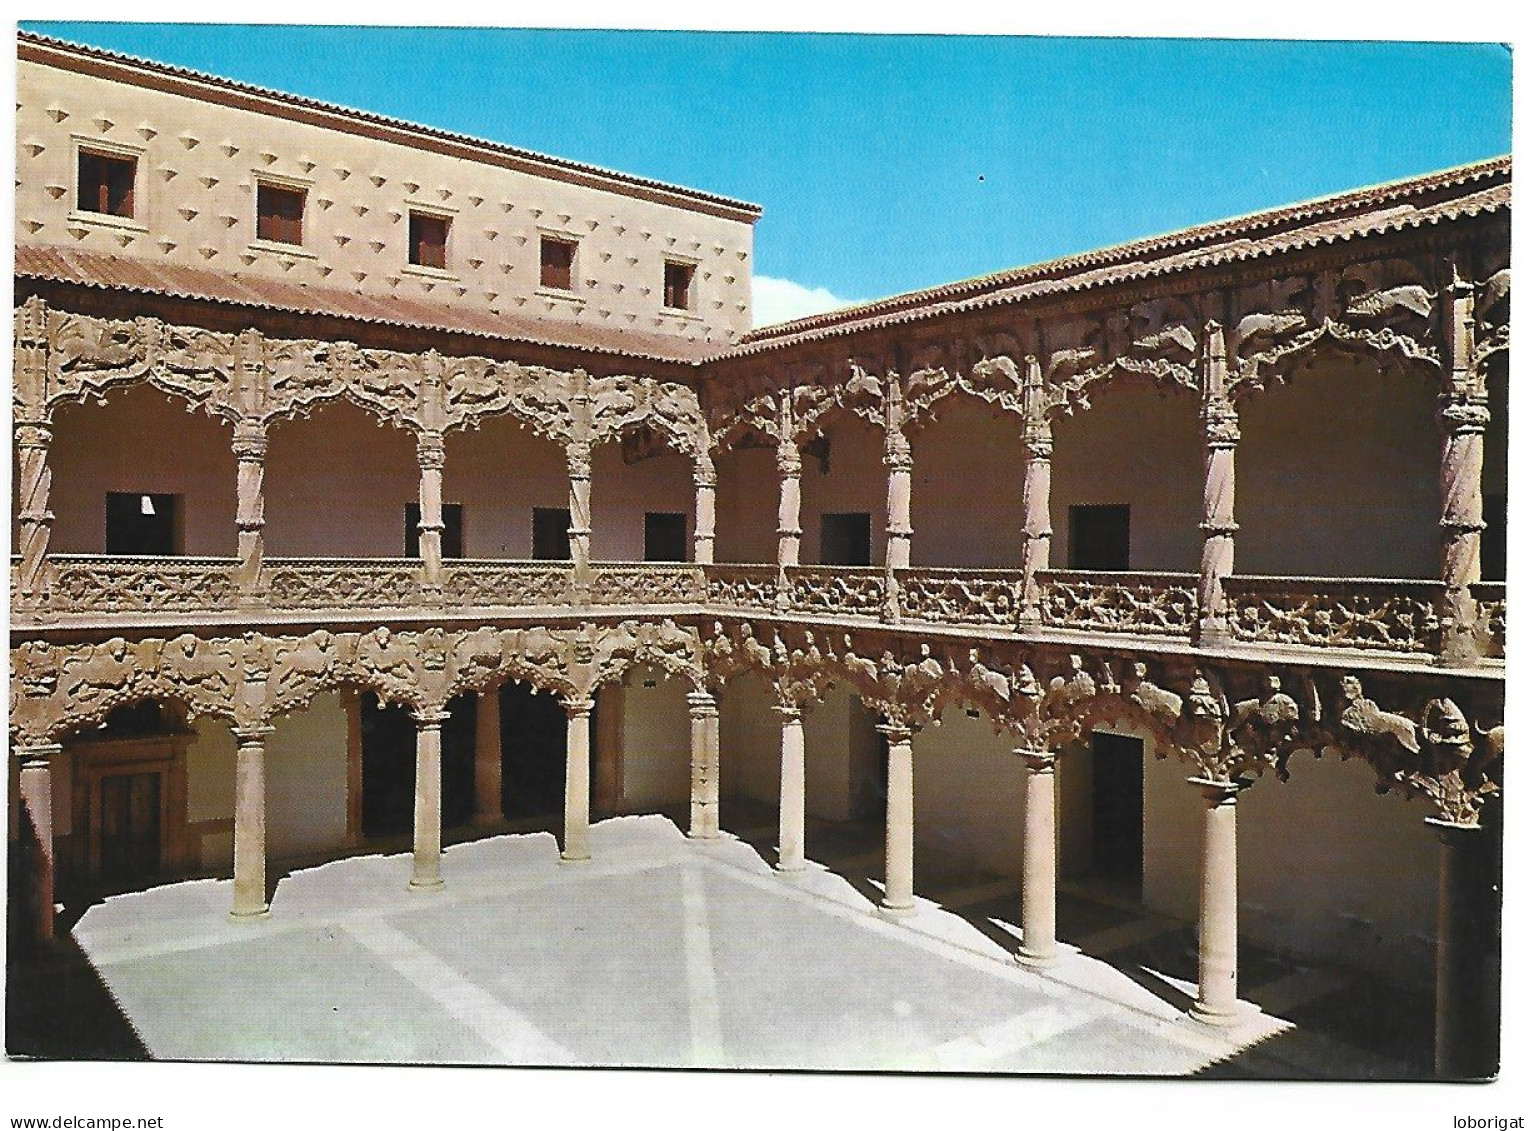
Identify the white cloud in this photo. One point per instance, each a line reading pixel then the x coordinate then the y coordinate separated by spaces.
pixel 783 300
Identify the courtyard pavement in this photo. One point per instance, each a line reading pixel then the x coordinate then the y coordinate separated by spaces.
pixel 659 952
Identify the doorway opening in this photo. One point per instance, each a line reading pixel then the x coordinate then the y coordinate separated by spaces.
pixel 846 539
pixel 1099 537
pixel 1118 810
pixel 533 732
pixel 388 766
pixel 140 524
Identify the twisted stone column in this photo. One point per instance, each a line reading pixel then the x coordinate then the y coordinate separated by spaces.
pixel 1464 419
pixel 1039 440
pixel 34 521
pixel 1221 434
pixel 897 515
pixel 790 468
pixel 250 823
pixel 426 863
pixel 432 454
pixel 899 824
pixel 1039 948
pixel 1465 1037
pixel 36 795
pixel 578 462
pixel 577 846
pixel 705 765
pixel 791 791
pixel 250 510
pixel 705 482
pixel 487 757
pixel 1217 1003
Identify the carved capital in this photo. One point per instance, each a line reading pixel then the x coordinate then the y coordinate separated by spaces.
pixel 34 436
pixel 431 451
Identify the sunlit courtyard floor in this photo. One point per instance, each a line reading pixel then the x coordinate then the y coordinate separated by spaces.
pixel 663 951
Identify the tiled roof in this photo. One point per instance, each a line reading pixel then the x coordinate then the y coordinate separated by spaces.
pixel 1430 199
pixel 115 272
pixel 45 49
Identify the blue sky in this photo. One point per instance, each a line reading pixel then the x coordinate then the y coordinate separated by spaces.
pixel 887 163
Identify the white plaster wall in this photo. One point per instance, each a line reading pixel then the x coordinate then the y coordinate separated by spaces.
pixel 746 506
pixel 337 484
pixel 1133 446
pixel 967 488
pixel 750 740
pixel 855 481
pixel 657 742
pixel 499 473
pixel 969 795
pixel 1174 826
pixel 359 191
pixel 1337 476
pixel 306 779
pixel 141 440
pixel 1329 868
pixel 621 494
pixel 210 763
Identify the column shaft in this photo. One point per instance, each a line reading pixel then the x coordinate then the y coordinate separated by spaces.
pixel 1221 435
pixel 705 766
pixel 577 781
pixel 791 792
pixel 432 454
pixel 704 484
pixel 36 792
pixel 34 521
pixel 250 823
pixel 1463 520
pixel 1039 948
pixel 899 825
pixel 1217 1003
pixel 790 467
pixel 250 510
pixel 1465 1037
pixel 487 757
pixel 897 513
pixel 1036 530
pixel 426 864
pixel 578 462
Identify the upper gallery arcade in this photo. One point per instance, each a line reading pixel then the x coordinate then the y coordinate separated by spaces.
pixel 312 405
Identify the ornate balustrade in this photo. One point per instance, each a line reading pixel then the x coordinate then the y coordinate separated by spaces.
pixel 489 583
pixel 342 583
pixel 1491 621
pixel 962 596
pixel 743 587
pixel 1397 617
pixel 92 583
pixel 1138 604
pixel 1329 612
pixel 647 584
pixel 849 591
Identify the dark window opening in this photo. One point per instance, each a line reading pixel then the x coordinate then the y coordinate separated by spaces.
pixel 428 240
pixel 143 524
pixel 452 530
pixel 105 184
pixel 551 534
pixel 846 539
pixel 557 264
pixel 679 286
pixel 665 537
pixel 1099 537
pixel 279 214
pixel 1494 539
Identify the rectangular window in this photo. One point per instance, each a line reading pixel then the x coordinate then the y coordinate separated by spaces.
pixel 846 539
pixel 665 537
pixel 139 524
pixel 105 184
pixel 279 213
pixel 557 264
pixel 551 534
pixel 679 285
pixel 1099 537
pixel 428 240
pixel 452 530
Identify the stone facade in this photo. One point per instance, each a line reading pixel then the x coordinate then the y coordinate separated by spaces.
pixel 1230 675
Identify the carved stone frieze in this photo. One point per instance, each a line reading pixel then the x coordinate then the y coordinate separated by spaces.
pixel 1140 604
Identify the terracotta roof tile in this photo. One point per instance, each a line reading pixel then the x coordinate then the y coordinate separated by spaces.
pixel 98 269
